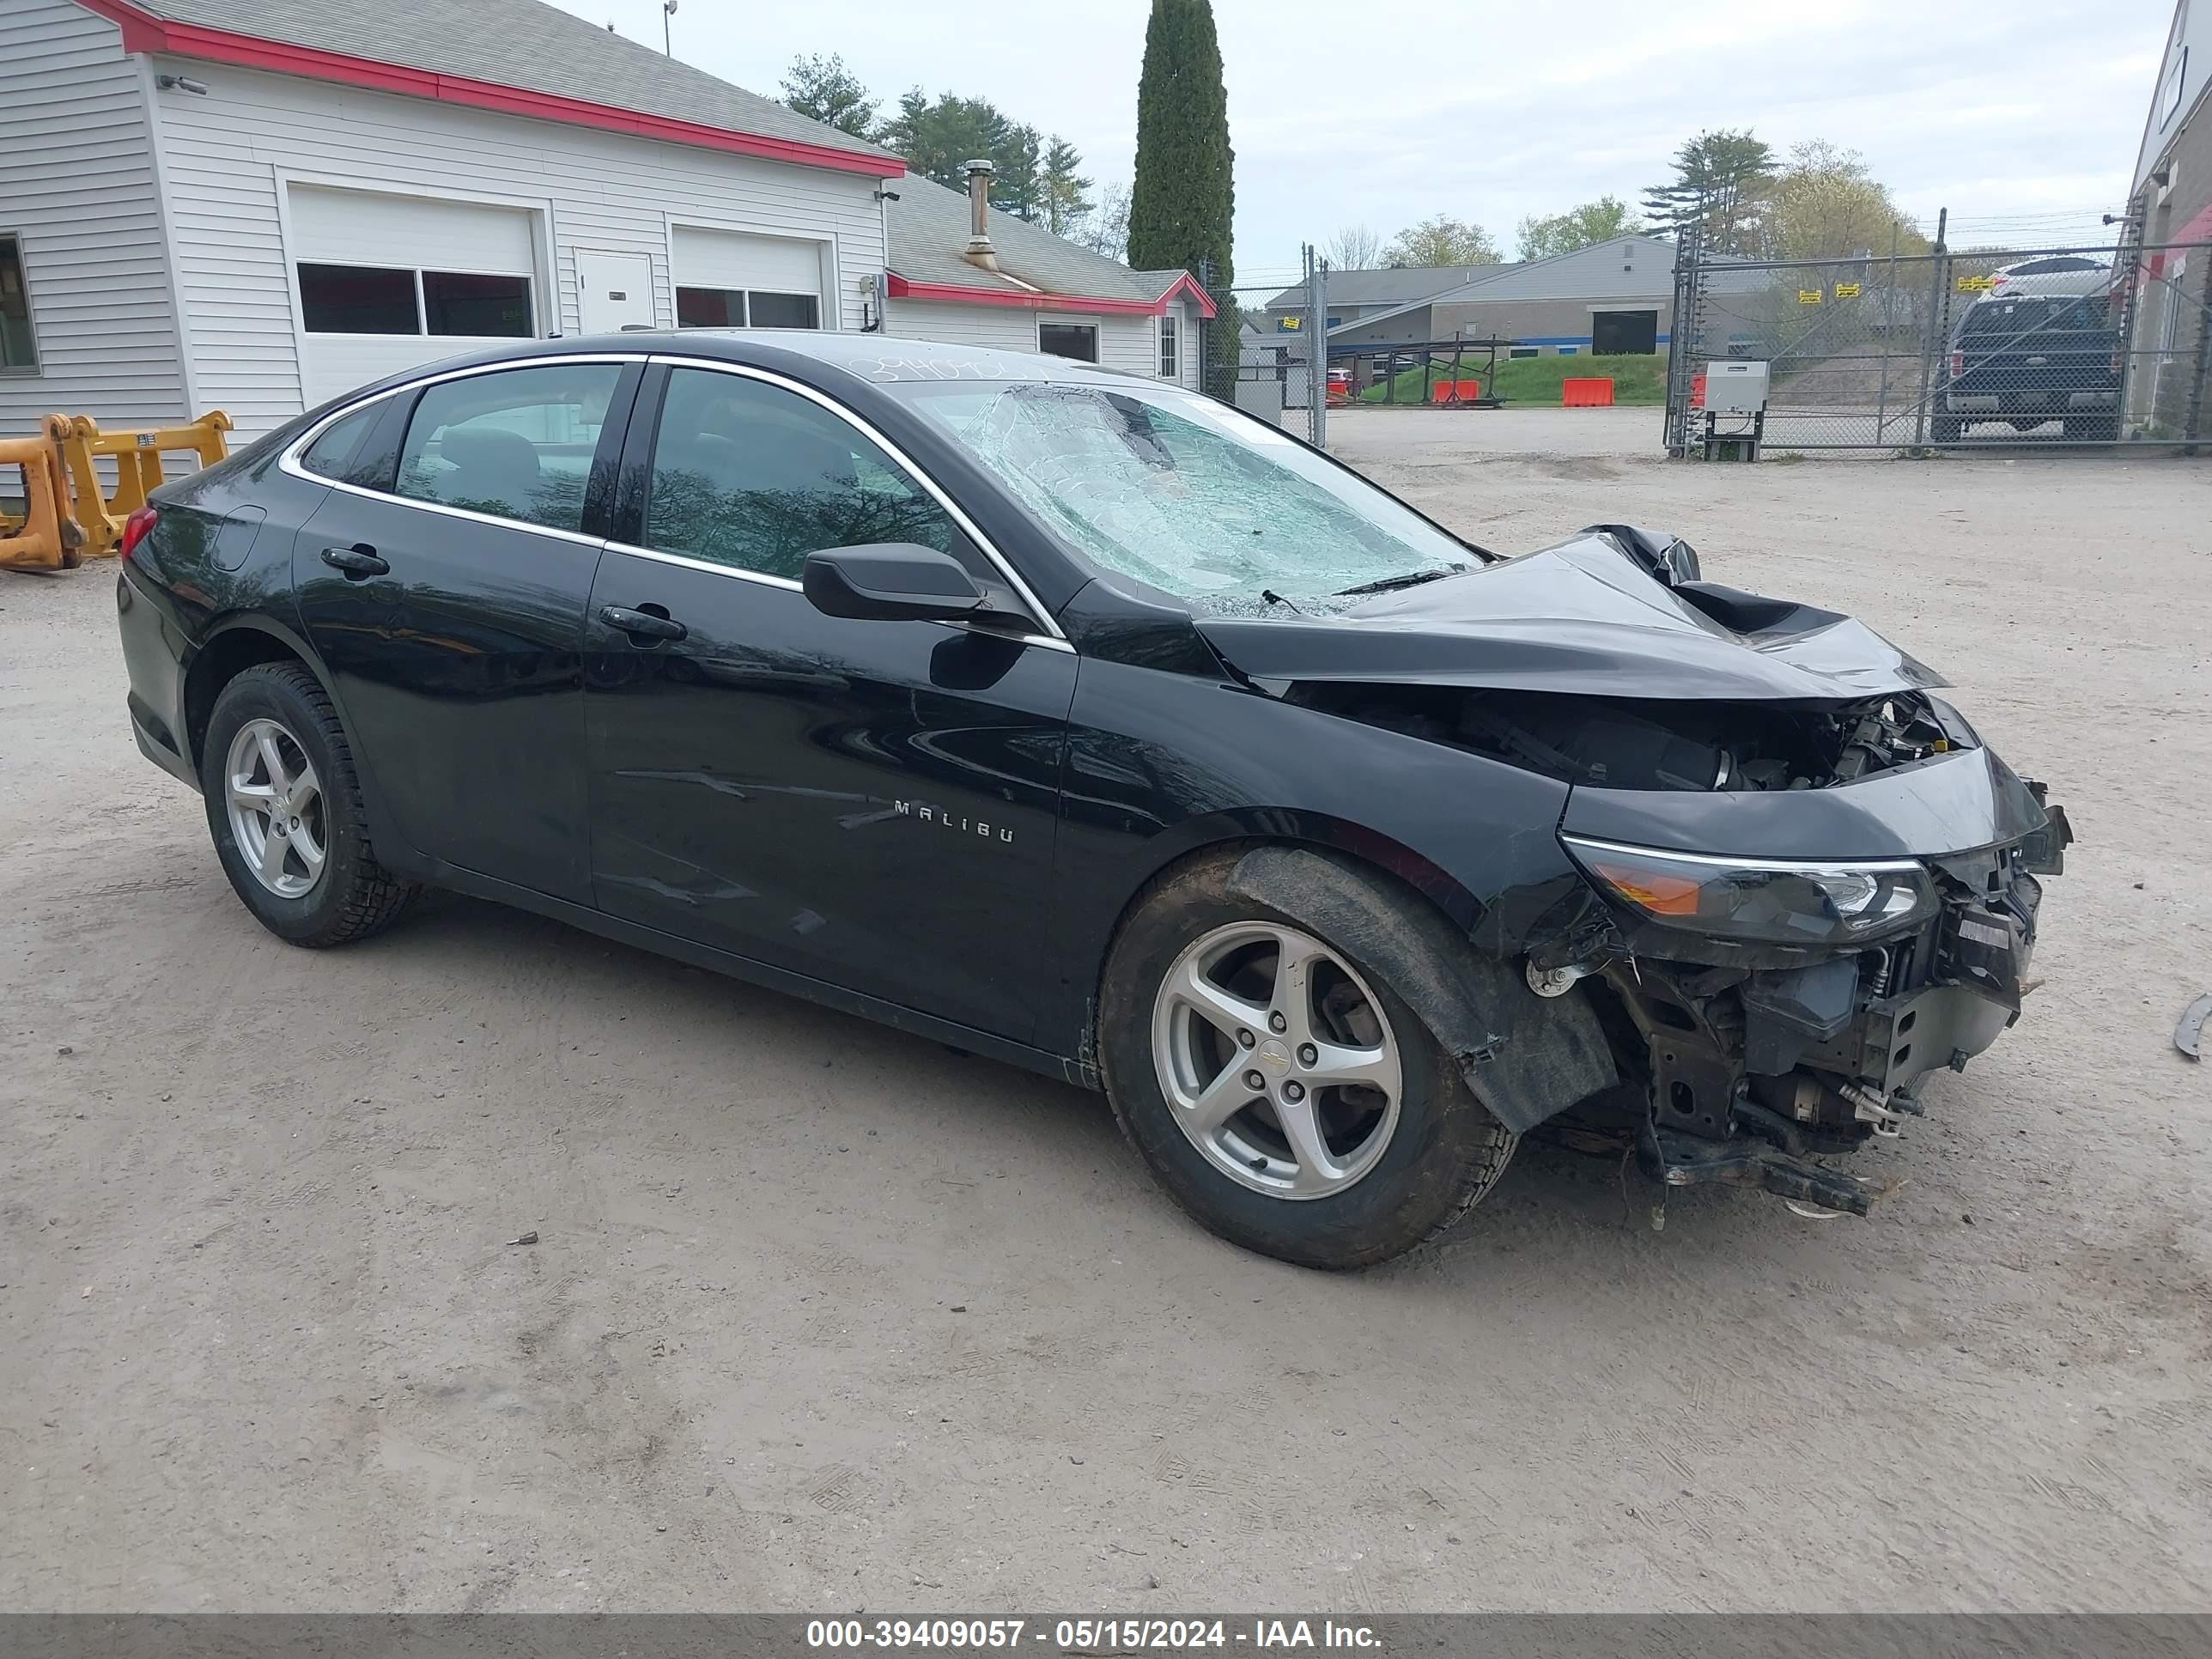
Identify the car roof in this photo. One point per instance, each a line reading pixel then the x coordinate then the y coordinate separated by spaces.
pixel 878 359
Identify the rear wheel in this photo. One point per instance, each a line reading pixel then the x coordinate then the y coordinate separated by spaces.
pixel 284 808
pixel 1945 429
pixel 2092 428
pixel 1284 1095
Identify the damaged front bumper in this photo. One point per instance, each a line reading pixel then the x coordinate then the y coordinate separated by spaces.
pixel 1757 1058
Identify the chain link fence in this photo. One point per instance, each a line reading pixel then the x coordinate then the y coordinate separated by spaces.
pixel 1951 350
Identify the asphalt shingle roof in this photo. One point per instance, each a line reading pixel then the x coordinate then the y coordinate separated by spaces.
pixel 1391 286
pixel 512 43
pixel 929 225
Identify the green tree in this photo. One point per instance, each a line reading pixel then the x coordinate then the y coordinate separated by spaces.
pixel 939 137
pixel 1720 185
pixel 1541 237
pixel 1064 195
pixel 1441 239
pixel 1184 199
pixel 824 90
pixel 1826 205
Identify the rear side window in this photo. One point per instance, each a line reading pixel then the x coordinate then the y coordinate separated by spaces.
pixel 332 455
pixel 517 444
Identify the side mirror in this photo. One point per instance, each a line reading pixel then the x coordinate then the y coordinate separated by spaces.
pixel 889 582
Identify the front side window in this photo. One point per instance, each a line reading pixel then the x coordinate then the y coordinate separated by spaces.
pixel 517 444
pixel 1168 359
pixel 1185 494
pixel 19 351
pixel 403 299
pixel 757 477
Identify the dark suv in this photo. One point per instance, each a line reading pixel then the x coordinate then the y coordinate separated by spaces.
pixel 2028 359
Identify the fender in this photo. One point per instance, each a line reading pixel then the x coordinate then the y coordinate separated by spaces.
pixel 391 849
pixel 1525 1058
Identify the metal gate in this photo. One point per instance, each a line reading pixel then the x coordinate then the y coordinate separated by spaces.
pixel 1971 347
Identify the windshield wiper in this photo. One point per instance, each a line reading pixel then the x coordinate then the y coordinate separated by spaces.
pixel 1411 579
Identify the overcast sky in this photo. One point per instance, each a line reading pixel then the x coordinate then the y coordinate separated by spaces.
pixel 2021 116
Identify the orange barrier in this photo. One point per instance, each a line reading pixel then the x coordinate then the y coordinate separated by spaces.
pixel 46 537
pixel 137 457
pixel 1586 394
pixel 1698 389
pixel 1456 391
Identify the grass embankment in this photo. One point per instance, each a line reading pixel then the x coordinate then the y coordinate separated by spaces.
pixel 1535 381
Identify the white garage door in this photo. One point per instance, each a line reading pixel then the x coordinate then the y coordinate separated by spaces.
pixel 388 282
pixel 732 279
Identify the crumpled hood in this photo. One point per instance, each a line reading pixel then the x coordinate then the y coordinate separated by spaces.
pixel 1580 617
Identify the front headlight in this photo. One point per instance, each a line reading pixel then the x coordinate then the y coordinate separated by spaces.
pixel 1784 900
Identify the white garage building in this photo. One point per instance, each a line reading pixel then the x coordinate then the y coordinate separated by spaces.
pixel 254 206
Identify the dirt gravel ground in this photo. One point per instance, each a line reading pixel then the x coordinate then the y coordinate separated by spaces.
pixel 822 1317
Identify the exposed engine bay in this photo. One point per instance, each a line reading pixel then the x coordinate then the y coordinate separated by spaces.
pixel 1805 882
pixel 1618 743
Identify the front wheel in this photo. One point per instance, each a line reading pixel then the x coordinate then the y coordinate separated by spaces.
pixel 284 807
pixel 1282 1093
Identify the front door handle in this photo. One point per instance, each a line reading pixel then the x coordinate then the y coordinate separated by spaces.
pixel 643 626
pixel 358 561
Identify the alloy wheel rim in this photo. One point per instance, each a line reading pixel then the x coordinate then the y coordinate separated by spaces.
pixel 276 812
pixel 1278 1061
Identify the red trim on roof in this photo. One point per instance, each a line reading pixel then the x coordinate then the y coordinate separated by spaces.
pixel 143 32
pixel 1031 299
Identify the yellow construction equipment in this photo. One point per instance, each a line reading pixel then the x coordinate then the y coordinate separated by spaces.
pixel 46 537
pixel 137 457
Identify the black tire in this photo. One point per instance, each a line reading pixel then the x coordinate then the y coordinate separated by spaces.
pixel 1946 430
pixel 1445 1154
pixel 354 896
pixel 2091 429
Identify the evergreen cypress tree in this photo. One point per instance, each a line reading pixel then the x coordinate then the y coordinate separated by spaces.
pixel 1185 195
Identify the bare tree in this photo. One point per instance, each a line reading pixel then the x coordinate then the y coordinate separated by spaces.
pixel 1354 248
pixel 1105 228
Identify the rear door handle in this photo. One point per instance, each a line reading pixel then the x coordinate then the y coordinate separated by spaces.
pixel 642 625
pixel 358 561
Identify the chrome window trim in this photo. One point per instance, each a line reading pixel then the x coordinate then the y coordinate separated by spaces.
pixel 684 561
pixel 1038 614
pixel 289 461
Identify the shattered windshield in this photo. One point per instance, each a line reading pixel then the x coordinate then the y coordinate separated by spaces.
pixel 1179 491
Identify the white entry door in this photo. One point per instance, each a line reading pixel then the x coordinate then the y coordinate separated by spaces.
pixel 615 290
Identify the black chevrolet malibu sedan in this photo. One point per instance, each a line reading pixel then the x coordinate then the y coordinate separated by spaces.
pixel 1070 718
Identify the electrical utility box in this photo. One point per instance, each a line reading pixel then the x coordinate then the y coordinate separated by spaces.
pixel 1735 388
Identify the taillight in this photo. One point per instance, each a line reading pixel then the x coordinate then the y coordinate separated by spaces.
pixel 1958 364
pixel 135 528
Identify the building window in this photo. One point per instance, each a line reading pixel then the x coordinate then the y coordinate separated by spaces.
pixel 456 302
pixel 1569 351
pixel 710 307
pixel 18 352
pixel 735 307
pixel 1169 367
pixel 393 300
pixel 1524 351
pixel 783 310
pixel 1076 340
